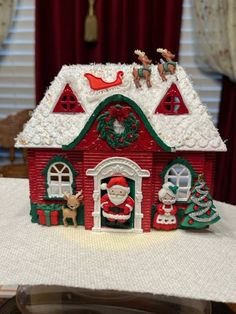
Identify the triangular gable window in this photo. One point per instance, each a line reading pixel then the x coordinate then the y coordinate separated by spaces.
pixel 172 103
pixel 68 102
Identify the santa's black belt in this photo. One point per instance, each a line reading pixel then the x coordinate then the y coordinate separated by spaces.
pixel 116 210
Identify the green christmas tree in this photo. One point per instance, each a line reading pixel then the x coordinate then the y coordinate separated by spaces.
pixel 201 211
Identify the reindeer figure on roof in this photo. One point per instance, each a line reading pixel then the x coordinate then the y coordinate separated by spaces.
pixel 144 71
pixel 167 66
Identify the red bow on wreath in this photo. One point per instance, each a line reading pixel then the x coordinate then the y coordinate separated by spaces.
pixel 120 113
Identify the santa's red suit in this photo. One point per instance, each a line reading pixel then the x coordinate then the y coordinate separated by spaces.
pixel 165 217
pixel 121 212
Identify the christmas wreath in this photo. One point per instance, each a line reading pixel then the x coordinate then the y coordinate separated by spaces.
pixel 118 126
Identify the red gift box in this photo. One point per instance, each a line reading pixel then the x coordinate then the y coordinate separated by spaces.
pixel 47 217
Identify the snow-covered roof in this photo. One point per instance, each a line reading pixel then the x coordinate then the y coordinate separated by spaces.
pixel 193 132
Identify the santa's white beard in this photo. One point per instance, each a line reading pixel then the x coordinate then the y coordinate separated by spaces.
pixel 117 199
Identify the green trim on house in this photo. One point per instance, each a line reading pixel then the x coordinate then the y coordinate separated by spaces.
pixel 33 212
pixel 55 198
pixel 101 106
pixel 183 162
pixel 58 159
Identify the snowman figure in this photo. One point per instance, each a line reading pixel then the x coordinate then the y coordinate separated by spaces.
pixel 165 216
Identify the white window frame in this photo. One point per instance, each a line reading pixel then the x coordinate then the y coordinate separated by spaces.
pixel 178 176
pixel 59 183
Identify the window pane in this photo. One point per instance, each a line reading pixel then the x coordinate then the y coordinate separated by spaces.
pixel 168 107
pixel 172 172
pixel 66 188
pixel 183 181
pixel 66 170
pixel 172 180
pixel 185 172
pixel 176 108
pixel 54 189
pixel 182 193
pixel 59 166
pixel 168 99
pixel 64 106
pixel 178 168
pixel 54 170
pixel 54 178
pixel 65 179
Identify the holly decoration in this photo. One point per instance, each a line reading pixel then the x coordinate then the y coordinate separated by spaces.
pixel 200 213
pixel 118 126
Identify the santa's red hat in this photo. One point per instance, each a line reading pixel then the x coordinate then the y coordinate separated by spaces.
pixel 116 182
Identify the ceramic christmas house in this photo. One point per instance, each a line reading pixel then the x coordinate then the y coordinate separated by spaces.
pixel 97 132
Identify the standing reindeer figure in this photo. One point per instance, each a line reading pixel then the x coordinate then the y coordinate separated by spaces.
pixel 144 71
pixel 167 66
pixel 73 202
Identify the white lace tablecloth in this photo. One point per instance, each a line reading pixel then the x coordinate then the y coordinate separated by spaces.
pixel 190 264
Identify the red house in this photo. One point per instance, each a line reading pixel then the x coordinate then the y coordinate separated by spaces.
pixel 94 124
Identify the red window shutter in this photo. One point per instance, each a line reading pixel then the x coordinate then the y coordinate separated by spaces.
pixel 172 103
pixel 68 102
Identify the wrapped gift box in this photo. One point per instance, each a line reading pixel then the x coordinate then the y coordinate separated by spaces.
pixel 48 217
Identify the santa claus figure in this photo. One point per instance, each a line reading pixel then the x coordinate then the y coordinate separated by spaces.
pixel 117 205
pixel 165 217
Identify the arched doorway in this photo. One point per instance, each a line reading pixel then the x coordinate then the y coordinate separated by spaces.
pixel 118 166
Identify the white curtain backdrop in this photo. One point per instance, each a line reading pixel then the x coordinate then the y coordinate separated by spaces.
pixel 7 10
pixel 215 25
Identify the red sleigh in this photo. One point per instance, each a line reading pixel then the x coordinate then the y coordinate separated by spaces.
pixel 97 83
